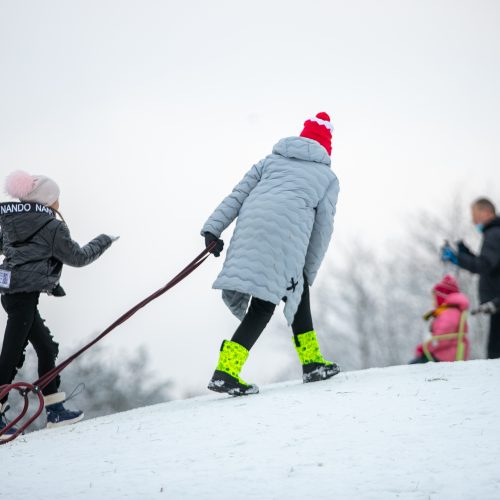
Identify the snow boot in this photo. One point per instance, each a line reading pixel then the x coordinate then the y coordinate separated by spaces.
pixel 4 423
pixel 314 366
pixel 57 415
pixel 226 377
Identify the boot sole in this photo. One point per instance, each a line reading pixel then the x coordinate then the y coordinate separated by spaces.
pixel 318 377
pixel 50 425
pixel 235 391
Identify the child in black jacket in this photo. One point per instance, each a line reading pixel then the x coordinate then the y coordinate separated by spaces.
pixel 35 245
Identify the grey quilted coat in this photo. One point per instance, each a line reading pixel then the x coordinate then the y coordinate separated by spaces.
pixel 36 245
pixel 285 207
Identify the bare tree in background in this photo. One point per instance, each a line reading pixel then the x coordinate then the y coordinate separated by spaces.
pixel 368 312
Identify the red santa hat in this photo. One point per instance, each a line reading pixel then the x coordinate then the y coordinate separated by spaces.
pixel 319 129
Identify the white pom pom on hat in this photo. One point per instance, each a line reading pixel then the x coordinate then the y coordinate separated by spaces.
pixel 32 188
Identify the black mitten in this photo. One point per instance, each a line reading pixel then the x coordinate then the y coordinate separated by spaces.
pixel 210 238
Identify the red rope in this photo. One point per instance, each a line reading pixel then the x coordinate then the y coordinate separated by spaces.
pixel 25 389
pixel 43 381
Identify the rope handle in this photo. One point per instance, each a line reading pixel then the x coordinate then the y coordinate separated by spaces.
pixel 43 381
pixel 25 388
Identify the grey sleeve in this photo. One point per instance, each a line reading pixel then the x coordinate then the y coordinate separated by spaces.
pixel 321 232
pixel 69 252
pixel 230 207
pixel 1 242
pixel 488 259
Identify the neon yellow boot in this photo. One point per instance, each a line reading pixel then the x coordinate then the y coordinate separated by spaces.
pixel 226 377
pixel 314 366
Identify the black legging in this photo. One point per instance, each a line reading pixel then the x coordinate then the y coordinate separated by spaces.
pixel 260 312
pixel 24 325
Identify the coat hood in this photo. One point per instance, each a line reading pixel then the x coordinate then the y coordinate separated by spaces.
pixel 19 221
pixel 302 148
pixel 458 300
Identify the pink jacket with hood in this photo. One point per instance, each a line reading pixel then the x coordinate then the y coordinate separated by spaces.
pixel 451 304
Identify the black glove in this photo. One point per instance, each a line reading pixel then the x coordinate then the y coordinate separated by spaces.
pixel 210 238
pixel 463 248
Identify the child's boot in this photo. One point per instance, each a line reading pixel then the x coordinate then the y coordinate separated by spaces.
pixel 4 423
pixel 226 377
pixel 314 366
pixel 57 415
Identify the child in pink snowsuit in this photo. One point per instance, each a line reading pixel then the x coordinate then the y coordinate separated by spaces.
pixel 447 318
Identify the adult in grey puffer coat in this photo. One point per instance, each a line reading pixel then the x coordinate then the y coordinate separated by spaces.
pixel 285 206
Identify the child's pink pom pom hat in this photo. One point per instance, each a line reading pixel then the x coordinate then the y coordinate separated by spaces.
pixel 445 287
pixel 32 188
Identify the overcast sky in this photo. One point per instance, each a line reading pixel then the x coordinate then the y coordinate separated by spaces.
pixel 147 113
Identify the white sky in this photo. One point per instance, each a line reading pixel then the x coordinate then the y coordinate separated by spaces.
pixel 148 112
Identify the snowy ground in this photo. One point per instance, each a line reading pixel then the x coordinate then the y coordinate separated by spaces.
pixel 420 432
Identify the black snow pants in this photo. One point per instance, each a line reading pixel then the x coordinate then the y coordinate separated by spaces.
pixel 494 337
pixel 24 325
pixel 260 312
pixel 422 359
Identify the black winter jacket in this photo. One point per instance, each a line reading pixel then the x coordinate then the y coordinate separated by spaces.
pixel 487 263
pixel 36 245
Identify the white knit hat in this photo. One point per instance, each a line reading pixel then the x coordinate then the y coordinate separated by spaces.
pixel 32 188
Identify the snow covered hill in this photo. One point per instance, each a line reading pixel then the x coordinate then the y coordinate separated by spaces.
pixel 419 432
